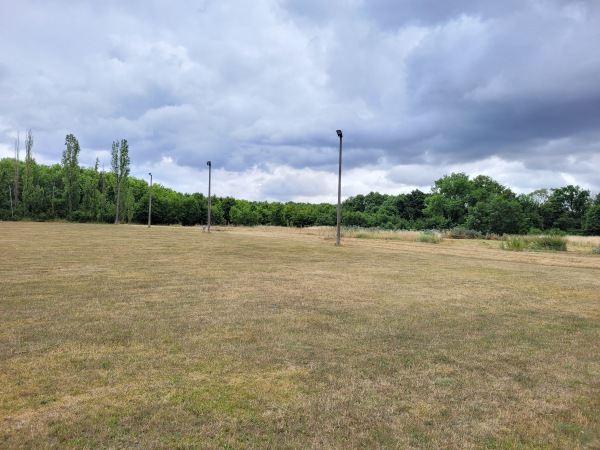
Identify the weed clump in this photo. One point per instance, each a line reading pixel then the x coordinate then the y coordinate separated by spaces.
pixel 596 250
pixel 431 237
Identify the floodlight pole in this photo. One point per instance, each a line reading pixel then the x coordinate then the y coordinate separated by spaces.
pixel 339 207
pixel 150 202
pixel 209 170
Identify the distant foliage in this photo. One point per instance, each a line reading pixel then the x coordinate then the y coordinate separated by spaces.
pixel 469 208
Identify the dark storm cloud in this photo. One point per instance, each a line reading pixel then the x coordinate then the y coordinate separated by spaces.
pixel 394 14
pixel 420 88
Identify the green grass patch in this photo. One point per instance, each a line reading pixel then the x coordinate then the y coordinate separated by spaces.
pixel 534 243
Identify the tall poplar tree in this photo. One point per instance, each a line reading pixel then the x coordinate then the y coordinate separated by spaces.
pixel 28 187
pixel 70 164
pixel 15 192
pixel 103 190
pixel 120 167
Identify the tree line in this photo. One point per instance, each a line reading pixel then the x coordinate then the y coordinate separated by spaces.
pixel 67 191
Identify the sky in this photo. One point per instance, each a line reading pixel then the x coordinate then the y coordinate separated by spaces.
pixel 420 89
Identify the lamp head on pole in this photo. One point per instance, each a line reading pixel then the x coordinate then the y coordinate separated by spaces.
pixel 208 163
pixel 339 133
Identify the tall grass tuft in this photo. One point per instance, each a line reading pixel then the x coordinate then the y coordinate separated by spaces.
pixel 377 233
pixel 535 243
pixel 431 237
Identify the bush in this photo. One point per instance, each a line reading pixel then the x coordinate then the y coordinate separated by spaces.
pixel 596 250
pixel 556 243
pixel 462 233
pixel 519 243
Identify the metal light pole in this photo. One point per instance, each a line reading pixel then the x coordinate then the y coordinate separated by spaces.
pixel 209 169
pixel 150 202
pixel 339 208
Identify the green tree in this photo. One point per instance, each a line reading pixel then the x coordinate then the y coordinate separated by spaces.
pixel 7 167
pixel 485 188
pixel 373 201
pixel 129 202
pixel 591 221
pixel 450 198
pixel 71 172
pixel 90 203
pixel 531 212
pixel 29 191
pixel 195 209
pixel 226 203
pixel 354 218
pixel 566 207
pixel 497 215
pixel 413 205
pixel 244 213
pixel 49 202
pixel 539 196
pixel 325 215
pixel 120 167
pixel 16 180
pixel 356 203
pixel 103 213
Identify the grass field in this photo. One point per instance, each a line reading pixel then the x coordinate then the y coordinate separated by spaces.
pixel 168 337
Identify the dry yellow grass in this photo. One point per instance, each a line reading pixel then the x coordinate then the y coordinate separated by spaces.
pixel 130 337
pixel 583 243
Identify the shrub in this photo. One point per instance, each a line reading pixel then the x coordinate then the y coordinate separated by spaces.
pixel 596 250
pixel 462 233
pixel 520 243
pixel 556 243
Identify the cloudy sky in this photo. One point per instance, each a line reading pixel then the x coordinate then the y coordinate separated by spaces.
pixel 420 88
